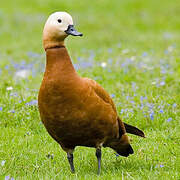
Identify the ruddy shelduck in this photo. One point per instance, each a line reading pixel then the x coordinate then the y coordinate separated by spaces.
pixel 77 111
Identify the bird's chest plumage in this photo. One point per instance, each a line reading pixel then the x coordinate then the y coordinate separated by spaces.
pixel 60 102
pixel 73 112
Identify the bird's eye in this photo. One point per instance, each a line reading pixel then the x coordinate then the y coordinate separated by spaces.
pixel 59 20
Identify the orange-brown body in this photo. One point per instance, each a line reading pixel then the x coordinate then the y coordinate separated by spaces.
pixel 75 111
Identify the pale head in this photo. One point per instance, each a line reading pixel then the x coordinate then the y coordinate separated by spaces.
pixel 57 27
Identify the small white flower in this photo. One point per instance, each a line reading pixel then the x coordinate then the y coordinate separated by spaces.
pixel 22 73
pixel 3 163
pixel 153 83
pixel 133 58
pixel 10 88
pixel 125 51
pixel 170 48
pixel 103 64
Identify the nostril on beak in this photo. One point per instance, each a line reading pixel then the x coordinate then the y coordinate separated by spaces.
pixel 72 31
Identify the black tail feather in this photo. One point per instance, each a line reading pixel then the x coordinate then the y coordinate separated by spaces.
pixel 125 151
pixel 133 130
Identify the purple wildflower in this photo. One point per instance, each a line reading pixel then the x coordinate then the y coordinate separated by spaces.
pixel 122 110
pixel 1 108
pixel 161 111
pixel 169 119
pixel 110 61
pixel 33 55
pixel 150 106
pixel 162 83
pixel 76 66
pixel 110 50
pixel 161 165
pixel 91 57
pixel 141 107
pixel 151 116
pixel 167 35
pixel 119 45
pixel 163 71
pixel 32 103
pixel 166 51
pixel 144 54
pixel 142 98
pixel 3 162
pixel 79 58
pixel 7 178
pixel 131 110
pixel 112 95
pixel 109 70
pixel 14 94
pixel 85 64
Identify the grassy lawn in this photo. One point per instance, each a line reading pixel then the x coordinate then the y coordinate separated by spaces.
pixel 130 47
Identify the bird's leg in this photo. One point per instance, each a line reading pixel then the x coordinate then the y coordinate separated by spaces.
pixel 70 160
pixel 98 155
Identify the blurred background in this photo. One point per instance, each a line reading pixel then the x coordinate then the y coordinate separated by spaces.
pixel 130 47
pixel 144 24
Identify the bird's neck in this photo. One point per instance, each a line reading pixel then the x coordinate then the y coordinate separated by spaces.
pixel 51 43
pixel 58 63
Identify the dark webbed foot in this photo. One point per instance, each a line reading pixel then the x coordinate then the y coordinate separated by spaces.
pixel 70 159
pixel 98 155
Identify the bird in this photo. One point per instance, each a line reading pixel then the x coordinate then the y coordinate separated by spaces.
pixel 75 110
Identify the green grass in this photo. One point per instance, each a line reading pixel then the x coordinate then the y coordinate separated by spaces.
pixel 140 42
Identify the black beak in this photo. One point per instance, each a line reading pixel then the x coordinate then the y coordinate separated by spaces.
pixel 71 31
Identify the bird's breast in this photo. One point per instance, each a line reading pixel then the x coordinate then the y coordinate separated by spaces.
pixel 75 112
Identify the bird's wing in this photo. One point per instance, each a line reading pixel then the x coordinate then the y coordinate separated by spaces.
pixel 123 127
pixel 106 98
pixel 100 91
